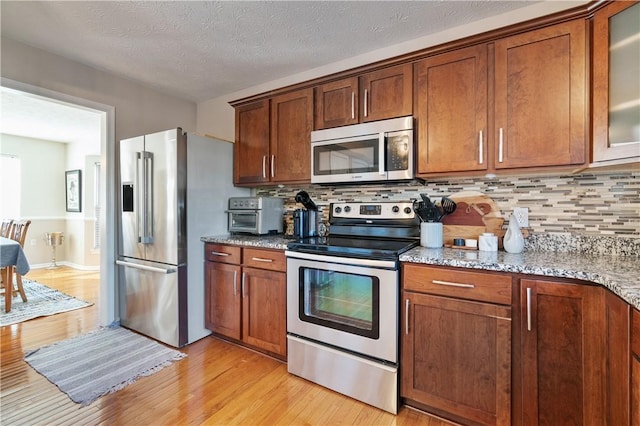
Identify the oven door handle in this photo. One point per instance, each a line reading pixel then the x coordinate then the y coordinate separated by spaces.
pixel 386 264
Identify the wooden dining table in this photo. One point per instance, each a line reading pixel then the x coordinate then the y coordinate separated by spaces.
pixel 11 254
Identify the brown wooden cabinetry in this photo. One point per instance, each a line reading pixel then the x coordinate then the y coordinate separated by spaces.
pixel 616 90
pixel 519 102
pixel 541 97
pixel 291 126
pixel 617 379
pixel 245 296
pixel 273 140
pixel 451 111
pixel 377 95
pixel 251 149
pixel 635 368
pixel 456 351
pixel 562 353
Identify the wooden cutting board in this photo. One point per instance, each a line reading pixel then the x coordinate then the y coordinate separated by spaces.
pixel 475 214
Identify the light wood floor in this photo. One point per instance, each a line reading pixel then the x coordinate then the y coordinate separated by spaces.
pixel 217 384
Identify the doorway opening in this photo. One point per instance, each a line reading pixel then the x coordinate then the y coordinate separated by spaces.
pixel 95 218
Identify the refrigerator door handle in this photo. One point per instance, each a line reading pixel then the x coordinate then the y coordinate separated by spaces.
pixel 147 211
pixel 139 196
pixel 146 268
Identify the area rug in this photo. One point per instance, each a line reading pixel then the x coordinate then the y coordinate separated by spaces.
pixel 104 361
pixel 41 301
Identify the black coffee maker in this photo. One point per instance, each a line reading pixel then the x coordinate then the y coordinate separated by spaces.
pixel 305 221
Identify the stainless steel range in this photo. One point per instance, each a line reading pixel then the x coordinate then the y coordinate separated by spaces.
pixel 343 301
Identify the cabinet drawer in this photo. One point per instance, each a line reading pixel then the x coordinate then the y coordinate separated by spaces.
pixel 478 286
pixel 265 259
pixel 222 253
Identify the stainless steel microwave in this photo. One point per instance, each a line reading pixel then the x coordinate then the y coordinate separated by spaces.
pixel 376 151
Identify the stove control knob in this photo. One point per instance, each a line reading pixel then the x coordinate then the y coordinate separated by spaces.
pixel 407 210
pixel 338 210
pixel 347 209
pixel 395 209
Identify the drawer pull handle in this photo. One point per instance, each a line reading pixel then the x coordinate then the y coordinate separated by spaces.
pixel 235 283
pixel 217 253
pixel 450 284
pixel 262 259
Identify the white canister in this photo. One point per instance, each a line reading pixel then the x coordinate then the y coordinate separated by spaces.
pixel 488 242
pixel 431 234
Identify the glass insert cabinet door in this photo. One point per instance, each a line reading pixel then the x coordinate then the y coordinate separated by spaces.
pixel 340 300
pixel 616 86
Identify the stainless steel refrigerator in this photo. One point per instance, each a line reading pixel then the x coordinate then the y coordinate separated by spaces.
pixel 174 190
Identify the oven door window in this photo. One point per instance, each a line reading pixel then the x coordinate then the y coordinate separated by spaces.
pixel 339 300
pixel 244 220
pixel 339 158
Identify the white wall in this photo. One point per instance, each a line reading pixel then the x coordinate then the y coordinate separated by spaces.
pixel 133 109
pixel 42 190
pixel 216 117
pixel 139 110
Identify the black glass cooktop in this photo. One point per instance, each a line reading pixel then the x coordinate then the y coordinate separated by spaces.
pixel 367 248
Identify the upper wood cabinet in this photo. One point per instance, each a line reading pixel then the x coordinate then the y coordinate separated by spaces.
pixel 273 140
pixel 541 97
pixel 251 150
pixel 386 93
pixel 517 103
pixel 291 126
pixel 451 111
pixel 616 86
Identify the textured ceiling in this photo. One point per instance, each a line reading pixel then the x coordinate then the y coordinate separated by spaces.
pixel 41 118
pixel 203 50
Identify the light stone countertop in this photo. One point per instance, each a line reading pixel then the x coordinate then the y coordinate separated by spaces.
pixel 278 241
pixel 620 274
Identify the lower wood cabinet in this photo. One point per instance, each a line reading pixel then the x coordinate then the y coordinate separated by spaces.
pixel 616 322
pixel 456 353
pixel 245 296
pixel 635 368
pixel 563 353
pixel 264 315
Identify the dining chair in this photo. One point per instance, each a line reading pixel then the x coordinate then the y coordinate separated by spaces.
pixel 19 234
pixel 5 231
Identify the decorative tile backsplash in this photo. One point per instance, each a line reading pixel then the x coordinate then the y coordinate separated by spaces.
pixel 588 204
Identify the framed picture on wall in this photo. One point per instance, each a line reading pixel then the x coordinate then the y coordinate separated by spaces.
pixel 73 185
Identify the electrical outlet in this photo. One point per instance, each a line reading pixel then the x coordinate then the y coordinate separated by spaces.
pixel 33 242
pixel 522 214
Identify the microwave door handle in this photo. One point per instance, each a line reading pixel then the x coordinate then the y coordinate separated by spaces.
pixel 381 153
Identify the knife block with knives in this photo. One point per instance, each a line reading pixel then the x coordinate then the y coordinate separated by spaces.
pixel 476 213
